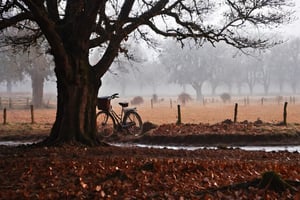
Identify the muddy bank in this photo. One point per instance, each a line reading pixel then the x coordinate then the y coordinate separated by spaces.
pixel 220 134
pixel 220 139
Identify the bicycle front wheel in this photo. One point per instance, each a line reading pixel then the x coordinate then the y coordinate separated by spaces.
pixel 105 124
pixel 133 123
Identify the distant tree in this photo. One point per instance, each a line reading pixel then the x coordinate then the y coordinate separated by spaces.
pixel 187 66
pixel 252 66
pixel 293 63
pixel 72 28
pixel 278 64
pixel 265 75
pixel 126 69
pixel 232 73
pixel 153 75
pixel 220 64
pixel 284 62
pixel 16 65
pixel 36 64
pixel 10 71
pixel 29 60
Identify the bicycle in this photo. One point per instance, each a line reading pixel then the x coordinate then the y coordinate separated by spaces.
pixel 109 122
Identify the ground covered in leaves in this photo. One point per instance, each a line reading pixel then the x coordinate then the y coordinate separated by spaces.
pixel 225 133
pixel 79 172
pixel 70 172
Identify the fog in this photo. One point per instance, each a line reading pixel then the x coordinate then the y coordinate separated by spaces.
pixel 215 71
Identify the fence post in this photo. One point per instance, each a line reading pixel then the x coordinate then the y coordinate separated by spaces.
pixel 179 115
pixel 4 116
pixel 151 103
pixel 285 113
pixel 235 113
pixel 32 114
pixel 171 103
pixel 262 101
pixel 0 102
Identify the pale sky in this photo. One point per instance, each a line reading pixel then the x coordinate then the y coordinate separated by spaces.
pixel 293 28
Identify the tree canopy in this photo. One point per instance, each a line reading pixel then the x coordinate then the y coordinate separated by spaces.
pixel 73 28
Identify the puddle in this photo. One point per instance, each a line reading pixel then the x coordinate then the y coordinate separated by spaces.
pixel 190 148
pixel 15 143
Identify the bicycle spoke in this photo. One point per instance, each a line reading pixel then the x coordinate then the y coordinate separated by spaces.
pixel 133 123
pixel 105 124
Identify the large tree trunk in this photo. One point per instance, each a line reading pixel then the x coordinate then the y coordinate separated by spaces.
pixel 76 107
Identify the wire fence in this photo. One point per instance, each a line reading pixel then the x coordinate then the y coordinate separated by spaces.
pixel 210 110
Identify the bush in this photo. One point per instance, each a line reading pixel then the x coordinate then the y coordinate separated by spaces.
pixel 225 97
pixel 184 98
pixel 137 100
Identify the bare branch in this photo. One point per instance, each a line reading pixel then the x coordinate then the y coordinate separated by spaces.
pixel 7 22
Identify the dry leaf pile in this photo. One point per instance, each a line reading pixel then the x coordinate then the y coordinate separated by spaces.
pixel 70 172
pixel 226 127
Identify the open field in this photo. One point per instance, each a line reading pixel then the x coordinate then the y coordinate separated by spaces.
pixel 197 113
pixel 197 120
pixel 193 112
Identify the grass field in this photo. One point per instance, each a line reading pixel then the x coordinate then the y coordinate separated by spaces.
pixel 192 112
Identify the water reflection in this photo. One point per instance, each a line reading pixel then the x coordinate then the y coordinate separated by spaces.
pixel 190 148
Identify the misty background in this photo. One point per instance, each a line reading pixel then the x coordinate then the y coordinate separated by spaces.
pixel 168 70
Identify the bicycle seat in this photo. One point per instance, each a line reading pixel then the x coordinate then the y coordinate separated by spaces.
pixel 123 104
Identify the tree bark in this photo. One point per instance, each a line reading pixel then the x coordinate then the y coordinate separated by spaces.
pixel 76 106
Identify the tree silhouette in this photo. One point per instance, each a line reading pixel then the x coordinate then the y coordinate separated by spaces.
pixel 73 28
pixel 10 71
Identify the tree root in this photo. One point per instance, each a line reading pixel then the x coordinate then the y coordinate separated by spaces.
pixel 270 180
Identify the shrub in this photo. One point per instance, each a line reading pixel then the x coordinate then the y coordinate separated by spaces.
pixel 184 98
pixel 225 97
pixel 137 100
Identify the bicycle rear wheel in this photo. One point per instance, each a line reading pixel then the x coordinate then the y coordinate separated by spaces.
pixel 133 123
pixel 105 124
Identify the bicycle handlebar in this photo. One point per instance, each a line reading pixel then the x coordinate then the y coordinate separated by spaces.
pixel 116 95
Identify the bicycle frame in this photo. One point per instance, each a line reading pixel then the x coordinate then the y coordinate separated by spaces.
pixel 128 118
pixel 119 118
